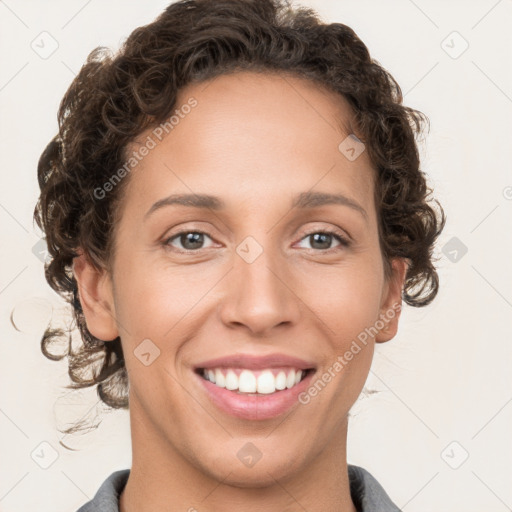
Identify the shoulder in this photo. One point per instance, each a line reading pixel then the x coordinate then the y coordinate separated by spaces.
pixel 367 493
pixel 107 497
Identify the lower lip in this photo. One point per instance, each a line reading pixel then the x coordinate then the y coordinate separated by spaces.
pixel 261 407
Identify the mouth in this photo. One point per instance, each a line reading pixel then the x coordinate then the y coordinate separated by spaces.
pixel 254 388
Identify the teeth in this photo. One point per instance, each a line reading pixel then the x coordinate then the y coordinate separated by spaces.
pixel 290 380
pixel 231 380
pixel 247 382
pixel 281 381
pixel 220 380
pixel 264 382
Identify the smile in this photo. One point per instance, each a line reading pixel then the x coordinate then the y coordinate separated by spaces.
pixel 254 387
pixel 243 380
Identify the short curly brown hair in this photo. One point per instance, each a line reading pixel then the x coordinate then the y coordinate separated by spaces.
pixel 116 97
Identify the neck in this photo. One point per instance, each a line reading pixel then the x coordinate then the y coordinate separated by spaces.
pixel 162 479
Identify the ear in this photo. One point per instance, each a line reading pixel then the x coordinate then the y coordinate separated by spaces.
pixel 96 297
pixel 392 300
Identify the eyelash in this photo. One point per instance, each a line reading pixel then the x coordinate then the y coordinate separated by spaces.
pixel 344 242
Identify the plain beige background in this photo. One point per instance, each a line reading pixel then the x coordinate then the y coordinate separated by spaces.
pixel 437 436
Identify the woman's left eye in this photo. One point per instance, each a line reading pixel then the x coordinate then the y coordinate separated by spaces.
pixel 192 240
pixel 325 238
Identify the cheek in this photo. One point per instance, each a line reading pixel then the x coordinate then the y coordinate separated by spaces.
pixel 152 300
pixel 345 307
pixel 346 299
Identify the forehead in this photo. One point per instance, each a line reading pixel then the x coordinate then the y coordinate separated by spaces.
pixel 282 105
pixel 249 131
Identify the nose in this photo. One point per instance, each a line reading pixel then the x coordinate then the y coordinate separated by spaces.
pixel 260 295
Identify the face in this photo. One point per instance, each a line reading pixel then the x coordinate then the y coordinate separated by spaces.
pixel 265 277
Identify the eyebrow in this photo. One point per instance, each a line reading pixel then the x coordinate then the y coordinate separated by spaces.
pixel 302 201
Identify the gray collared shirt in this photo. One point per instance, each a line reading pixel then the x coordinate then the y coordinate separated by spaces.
pixel 366 492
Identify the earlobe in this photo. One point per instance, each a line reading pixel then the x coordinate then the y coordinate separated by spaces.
pixel 392 301
pixel 96 298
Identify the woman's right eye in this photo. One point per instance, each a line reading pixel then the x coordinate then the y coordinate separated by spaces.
pixel 190 240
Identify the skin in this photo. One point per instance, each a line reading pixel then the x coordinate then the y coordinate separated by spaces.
pixel 254 141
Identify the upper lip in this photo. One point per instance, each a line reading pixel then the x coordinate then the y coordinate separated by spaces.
pixel 253 362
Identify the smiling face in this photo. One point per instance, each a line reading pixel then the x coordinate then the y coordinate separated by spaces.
pixel 261 273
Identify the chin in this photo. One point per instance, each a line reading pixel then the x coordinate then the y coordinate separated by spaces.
pixel 229 470
pixel 252 478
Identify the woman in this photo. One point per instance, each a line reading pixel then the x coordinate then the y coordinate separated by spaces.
pixel 235 210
